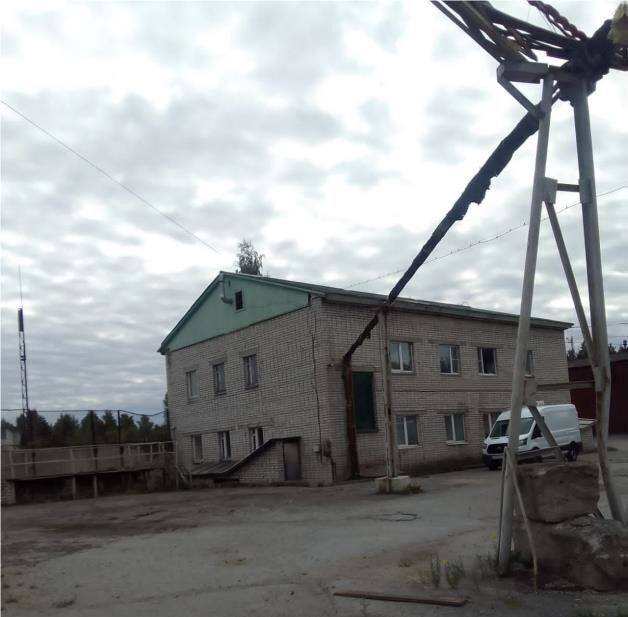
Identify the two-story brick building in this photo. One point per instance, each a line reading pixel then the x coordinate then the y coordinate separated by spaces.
pixel 255 388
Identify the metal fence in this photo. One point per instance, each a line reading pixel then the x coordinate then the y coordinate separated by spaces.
pixel 22 464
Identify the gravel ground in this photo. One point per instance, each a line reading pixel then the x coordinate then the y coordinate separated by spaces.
pixel 273 551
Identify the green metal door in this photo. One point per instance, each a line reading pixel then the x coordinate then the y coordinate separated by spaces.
pixel 363 402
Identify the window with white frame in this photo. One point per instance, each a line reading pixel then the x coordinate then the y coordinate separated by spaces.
pixel 454 427
pixel 529 364
pixel 239 300
pixel 224 445
pixel 220 387
pixel 487 360
pixel 250 371
pixel 256 437
pixel 197 448
pixel 407 430
pixel 401 357
pixel 191 384
pixel 449 359
pixel 489 420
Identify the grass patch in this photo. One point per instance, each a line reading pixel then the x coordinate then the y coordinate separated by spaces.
pixel 454 573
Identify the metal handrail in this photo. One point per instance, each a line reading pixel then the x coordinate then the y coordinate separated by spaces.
pixel 128 456
pixel 93 445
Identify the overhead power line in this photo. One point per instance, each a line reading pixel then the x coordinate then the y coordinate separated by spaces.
pixel 499 235
pixel 110 177
pixel 97 411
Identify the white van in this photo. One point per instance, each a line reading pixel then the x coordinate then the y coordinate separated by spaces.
pixel 561 420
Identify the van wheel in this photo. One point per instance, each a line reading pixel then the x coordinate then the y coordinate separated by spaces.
pixel 572 452
pixel 493 466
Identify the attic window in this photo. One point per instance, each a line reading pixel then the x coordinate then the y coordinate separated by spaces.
pixel 239 301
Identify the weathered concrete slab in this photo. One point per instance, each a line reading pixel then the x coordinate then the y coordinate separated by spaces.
pixel 588 552
pixel 559 492
pixel 397 484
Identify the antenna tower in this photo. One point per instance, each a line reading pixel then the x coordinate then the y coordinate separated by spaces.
pixel 22 339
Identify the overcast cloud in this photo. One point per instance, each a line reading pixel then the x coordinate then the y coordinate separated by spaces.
pixel 333 135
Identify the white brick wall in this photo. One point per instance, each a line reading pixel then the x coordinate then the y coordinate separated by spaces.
pixel 7 493
pixel 267 469
pixel 285 403
pixel 426 392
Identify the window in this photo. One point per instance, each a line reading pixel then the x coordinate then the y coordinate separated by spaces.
pixel 224 443
pixel 239 300
pixel 250 371
pixel 256 437
pixel 489 421
pixel 529 364
pixel 219 378
pixel 401 357
pixel 197 448
pixel 407 431
pixel 454 427
pixel 191 384
pixel 500 429
pixel 449 363
pixel 487 360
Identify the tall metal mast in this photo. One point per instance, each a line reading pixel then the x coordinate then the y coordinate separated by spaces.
pixel 22 339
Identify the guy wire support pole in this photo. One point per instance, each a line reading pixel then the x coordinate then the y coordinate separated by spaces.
pixel 600 362
pixel 523 331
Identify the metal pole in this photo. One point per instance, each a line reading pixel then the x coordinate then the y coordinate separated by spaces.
pixel 580 101
pixel 571 279
pixel 521 349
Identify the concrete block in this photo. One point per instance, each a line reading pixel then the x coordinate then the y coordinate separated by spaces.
pixel 588 552
pixel 558 492
pixel 397 484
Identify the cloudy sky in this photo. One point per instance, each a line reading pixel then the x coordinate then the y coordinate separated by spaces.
pixel 333 135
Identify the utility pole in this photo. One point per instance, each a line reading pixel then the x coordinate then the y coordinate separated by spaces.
pixel 523 332
pixel 600 362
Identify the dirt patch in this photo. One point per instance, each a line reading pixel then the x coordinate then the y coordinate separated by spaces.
pixel 270 552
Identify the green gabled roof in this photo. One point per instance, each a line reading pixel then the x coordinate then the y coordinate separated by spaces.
pixel 200 302
pixel 359 298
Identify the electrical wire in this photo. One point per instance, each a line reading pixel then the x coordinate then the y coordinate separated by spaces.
pixel 97 411
pixel 499 235
pixel 110 177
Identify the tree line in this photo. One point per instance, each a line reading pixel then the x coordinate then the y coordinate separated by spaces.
pixel 68 430
pixel 572 354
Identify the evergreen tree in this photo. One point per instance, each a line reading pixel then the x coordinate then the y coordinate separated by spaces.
pixel 65 431
pixel 109 428
pixel 145 429
pixel 582 352
pixel 35 432
pixel 128 428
